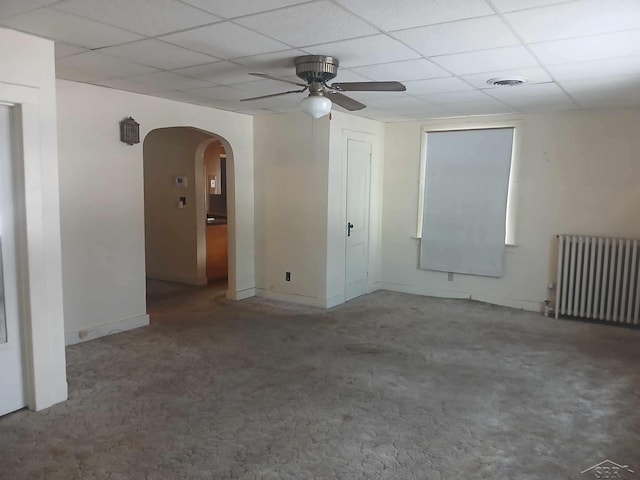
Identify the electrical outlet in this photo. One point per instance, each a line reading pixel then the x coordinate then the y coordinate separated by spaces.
pixel 450 277
pixel 287 276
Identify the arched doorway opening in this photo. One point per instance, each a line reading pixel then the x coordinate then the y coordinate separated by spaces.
pixel 216 210
pixel 180 206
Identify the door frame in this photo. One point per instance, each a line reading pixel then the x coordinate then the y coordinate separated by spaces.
pixel 374 230
pixel 38 330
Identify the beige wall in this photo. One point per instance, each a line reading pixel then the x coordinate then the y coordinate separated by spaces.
pixel 300 205
pixel 578 173
pixel 102 201
pixel 171 233
pixel 27 64
pixel 291 152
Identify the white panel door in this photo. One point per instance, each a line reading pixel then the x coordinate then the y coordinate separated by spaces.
pixel 357 228
pixel 12 395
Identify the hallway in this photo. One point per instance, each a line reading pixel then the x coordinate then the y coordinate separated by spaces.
pixel 388 386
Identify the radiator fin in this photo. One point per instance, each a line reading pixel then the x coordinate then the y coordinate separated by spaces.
pixel 598 278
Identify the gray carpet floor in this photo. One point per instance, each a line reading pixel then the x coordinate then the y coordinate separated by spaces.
pixel 388 386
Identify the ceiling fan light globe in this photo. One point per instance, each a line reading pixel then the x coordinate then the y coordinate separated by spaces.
pixel 316 106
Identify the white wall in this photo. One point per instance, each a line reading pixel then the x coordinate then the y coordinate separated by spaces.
pixel 300 205
pixel 578 173
pixel 291 153
pixel 344 126
pixel 102 202
pixel 171 233
pixel 27 61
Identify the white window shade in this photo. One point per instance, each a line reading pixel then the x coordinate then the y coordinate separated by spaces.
pixel 465 201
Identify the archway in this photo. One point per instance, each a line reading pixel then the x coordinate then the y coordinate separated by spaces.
pixel 175 194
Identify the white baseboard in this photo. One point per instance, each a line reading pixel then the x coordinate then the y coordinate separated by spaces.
pixel 241 294
pixel 529 305
pixel 86 334
pixel 334 301
pixel 292 298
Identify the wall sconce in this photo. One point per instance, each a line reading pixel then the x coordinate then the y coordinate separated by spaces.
pixel 129 131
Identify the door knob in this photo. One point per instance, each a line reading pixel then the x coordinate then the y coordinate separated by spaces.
pixel 349 227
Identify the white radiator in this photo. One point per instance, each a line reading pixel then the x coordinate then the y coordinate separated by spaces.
pixel 598 278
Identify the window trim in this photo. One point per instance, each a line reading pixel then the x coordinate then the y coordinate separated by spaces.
pixel 514 173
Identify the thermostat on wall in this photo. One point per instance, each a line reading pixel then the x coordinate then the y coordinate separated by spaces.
pixel 181 182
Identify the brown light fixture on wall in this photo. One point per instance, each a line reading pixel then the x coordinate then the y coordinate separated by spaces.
pixel 129 131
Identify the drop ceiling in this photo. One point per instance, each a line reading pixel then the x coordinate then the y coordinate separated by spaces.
pixel 577 54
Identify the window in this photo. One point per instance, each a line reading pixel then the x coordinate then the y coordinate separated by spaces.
pixel 467 190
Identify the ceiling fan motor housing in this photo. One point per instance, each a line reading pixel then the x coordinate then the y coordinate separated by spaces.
pixel 316 68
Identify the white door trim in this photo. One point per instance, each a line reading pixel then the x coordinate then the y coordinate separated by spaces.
pixel 31 241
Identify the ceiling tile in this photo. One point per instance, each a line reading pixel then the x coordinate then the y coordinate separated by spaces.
pixel 461 36
pixel 222 93
pixel 90 66
pixel 266 87
pixel 382 115
pixel 345 75
pixel 609 67
pixel 483 108
pixel 221 73
pixel 533 97
pixel 128 85
pixel 366 97
pixel 470 96
pixel 225 40
pixel 406 105
pixel 169 81
pixel 532 74
pixel 302 25
pixel 14 7
pixel 365 51
pixel 65 50
pixel 486 60
pixel 399 14
pixel 575 19
pixel 553 104
pixel 609 45
pixel 627 86
pixel 436 85
pixel 275 104
pixel 158 54
pixel 68 28
pixel 187 97
pixel 148 17
pixel 513 5
pixel 220 104
pixel 525 91
pixel 236 8
pixel 406 70
pixel 276 63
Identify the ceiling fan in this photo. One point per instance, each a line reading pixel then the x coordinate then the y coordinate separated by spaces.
pixel 316 71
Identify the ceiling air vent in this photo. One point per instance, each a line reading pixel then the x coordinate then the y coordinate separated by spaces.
pixel 507 82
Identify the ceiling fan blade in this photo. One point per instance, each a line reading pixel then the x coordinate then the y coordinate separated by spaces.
pixel 277 79
pixel 369 86
pixel 345 102
pixel 272 95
